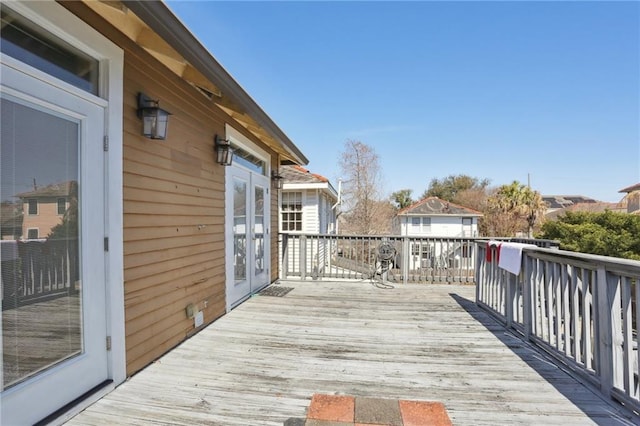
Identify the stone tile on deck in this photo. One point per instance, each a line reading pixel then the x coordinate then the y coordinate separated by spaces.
pixel 378 411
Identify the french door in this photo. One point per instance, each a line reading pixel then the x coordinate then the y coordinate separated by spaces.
pixel 247 233
pixel 53 318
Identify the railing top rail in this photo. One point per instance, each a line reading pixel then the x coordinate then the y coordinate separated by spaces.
pixel 392 237
pixel 535 241
pixel 608 262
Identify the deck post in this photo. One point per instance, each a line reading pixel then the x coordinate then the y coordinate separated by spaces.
pixel 509 283
pixel 607 318
pixel 406 256
pixel 476 272
pixel 527 297
pixel 303 257
pixel 284 265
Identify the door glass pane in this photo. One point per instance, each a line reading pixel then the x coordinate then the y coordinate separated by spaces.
pixel 259 231
pixel 240 229
pixel 41 287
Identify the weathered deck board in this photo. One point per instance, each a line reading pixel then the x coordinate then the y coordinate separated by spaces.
pixel 260 364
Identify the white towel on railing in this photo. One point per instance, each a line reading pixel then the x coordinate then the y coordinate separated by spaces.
pixel 511 256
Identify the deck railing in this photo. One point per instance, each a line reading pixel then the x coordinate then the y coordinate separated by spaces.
pixel 37 270
pixel 389 258
pixel 580 308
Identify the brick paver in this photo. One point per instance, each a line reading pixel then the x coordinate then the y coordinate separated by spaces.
pixel 337 410
pixel 333 408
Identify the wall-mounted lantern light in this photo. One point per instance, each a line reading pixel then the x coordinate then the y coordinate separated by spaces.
pixel 154 118
pixel 277 179
pixel 224 151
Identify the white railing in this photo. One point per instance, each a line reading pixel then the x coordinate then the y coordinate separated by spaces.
pixel 580 308
pixel 403 259
pixel 357 257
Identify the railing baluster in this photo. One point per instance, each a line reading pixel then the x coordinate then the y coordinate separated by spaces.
pixel 636 284
pixel 575 315
pixel 627 336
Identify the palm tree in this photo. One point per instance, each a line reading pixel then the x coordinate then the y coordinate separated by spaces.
pixel 515 204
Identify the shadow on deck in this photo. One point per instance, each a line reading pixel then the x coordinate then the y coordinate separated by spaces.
pixel 261 363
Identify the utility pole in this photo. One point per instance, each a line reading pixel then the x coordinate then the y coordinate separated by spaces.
pixel 530 219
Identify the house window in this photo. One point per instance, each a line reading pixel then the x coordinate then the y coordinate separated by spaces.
pixel 62 206
pixel 248 160
pixel 415 249
pixel 421 224
pixel 33 206
pixel 467 250
pixel 292 211
pixel 32 233
pixel 25 41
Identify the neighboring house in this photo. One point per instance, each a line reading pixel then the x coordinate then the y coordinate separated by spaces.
pixel 632 198
pixel 309 205
pixel 436 219
pixel 557 202
pixel 433 217
pixel 309 202
pixel 44 208
pixel 166 238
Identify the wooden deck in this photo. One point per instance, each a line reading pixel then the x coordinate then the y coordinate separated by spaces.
pixel 261 363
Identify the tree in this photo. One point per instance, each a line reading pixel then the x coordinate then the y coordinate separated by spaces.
pixel 453 185
pixel 511 209
pixel 608 234
pixel 364 212
pixel 402 198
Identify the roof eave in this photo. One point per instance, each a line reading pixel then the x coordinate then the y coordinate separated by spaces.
pixel 441 214
pixel 161 20
pixel 326 186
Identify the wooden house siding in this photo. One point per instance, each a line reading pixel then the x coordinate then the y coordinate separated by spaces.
pixel 176 190
pixel 174 198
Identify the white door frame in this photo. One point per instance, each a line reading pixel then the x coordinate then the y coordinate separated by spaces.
pixel 239 139
pixel 75 376
pixel 62 23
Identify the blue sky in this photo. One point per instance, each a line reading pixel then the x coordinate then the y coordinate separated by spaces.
pixel 497 90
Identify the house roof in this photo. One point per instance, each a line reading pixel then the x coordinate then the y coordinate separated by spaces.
pixel 631 188
pixel 596 207
pixel 297 177
pixel 153 26
pixel 562 201
pixel 434 206
pixel 298 174
pixel 62 189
